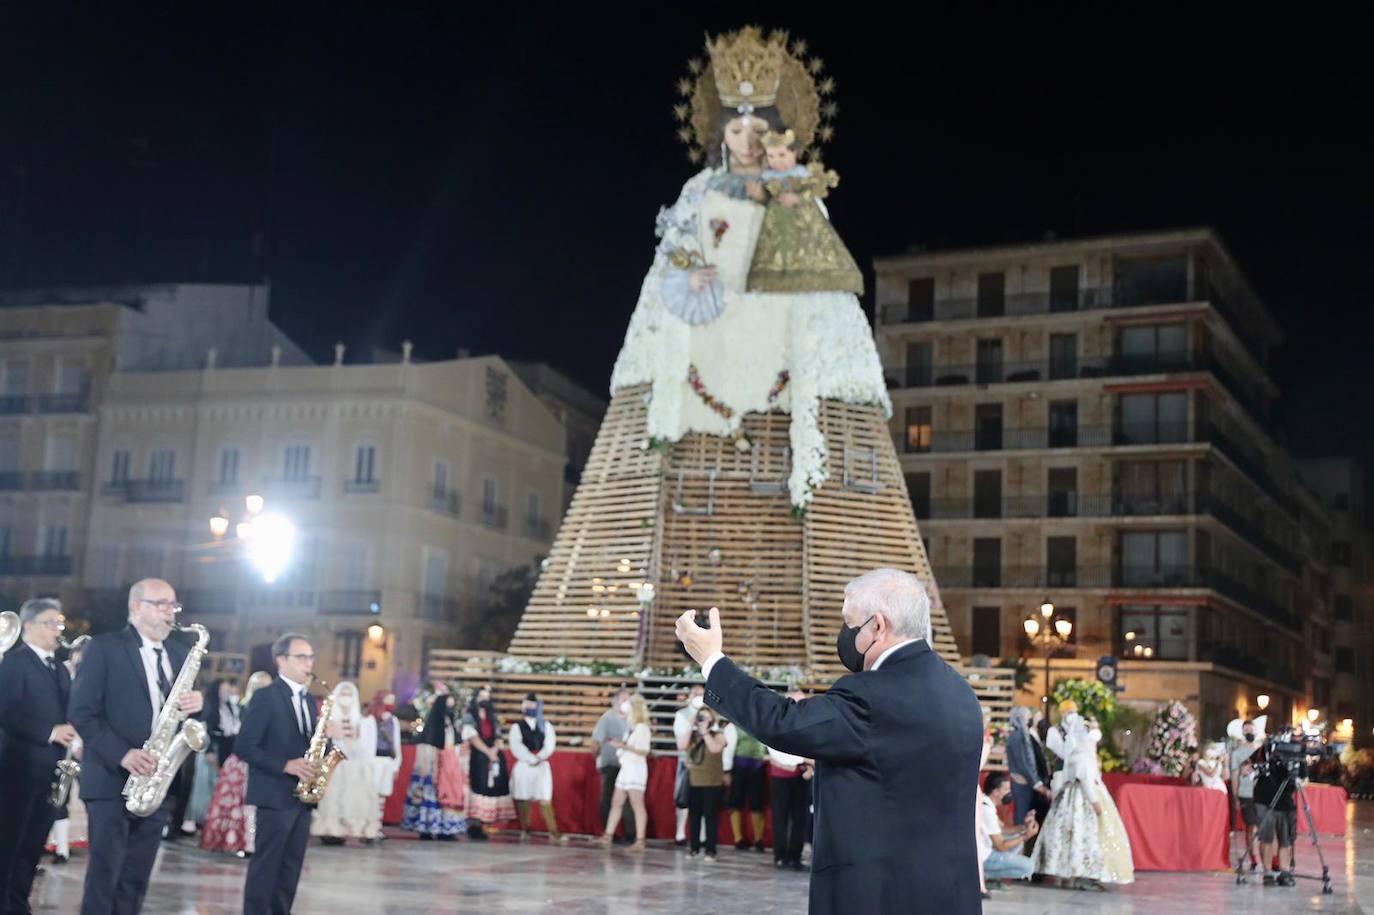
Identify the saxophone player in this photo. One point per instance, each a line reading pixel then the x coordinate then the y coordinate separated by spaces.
pixel 125 678
pixel 34 734
pixel 273 740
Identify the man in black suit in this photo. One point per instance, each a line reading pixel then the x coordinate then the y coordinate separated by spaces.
pixel 276 731
pixel 34 735
pixel 125 678
pixel 897 749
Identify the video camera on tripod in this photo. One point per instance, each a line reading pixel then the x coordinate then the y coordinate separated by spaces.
pixel 1283 768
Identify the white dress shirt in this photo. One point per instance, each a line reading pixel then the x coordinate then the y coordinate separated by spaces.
pixel 145 651
pixel 296 690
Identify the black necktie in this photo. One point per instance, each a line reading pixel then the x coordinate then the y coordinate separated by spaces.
pixel 162 682
pixel 305 717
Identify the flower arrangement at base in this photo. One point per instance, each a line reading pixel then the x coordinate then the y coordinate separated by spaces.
pixel 1173 741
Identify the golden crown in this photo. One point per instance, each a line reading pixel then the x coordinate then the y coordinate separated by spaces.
pixel 747 68
pixel 775 70
pixel 772 139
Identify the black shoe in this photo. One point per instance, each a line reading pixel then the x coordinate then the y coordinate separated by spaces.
pixel 710 856
pixel 741 845
pixel 779 864
pixel 986 894
pixel 797 866
pixel 448 838
pixel 1286 879
pixel 476 835
pixel 680 843
pixel 243 854
pixel 60 859
pixel 426 837
pixel 694 852
pixel 39 871
pixel 331 840
pixel 1270 880
pixel 758 846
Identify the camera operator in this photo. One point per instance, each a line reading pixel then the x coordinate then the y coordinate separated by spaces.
pixel 706 777
pixel 1280 758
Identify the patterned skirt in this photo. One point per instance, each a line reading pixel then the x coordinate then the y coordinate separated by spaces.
pixel 489 797
pixel 423 812
pixel 1076 842
pixel 230 824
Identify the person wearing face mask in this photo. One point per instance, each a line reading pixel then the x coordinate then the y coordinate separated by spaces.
pixel 489 798
pixel 230 822
pixel 1248 735
pixel 609 737
pixel 532 741
pixel 387 761
pixel 633 772
pixel 683 722
pixel 435 799
pixel 896 747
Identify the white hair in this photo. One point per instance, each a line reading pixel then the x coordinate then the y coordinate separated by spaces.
pixel 898 596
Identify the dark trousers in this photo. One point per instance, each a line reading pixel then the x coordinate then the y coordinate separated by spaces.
pixel 627 813
pixel 703 803
pixel 25 818
pixel 180 794
pixel 791 797
pixel 123 848
pixel 275 868
pixel 747 787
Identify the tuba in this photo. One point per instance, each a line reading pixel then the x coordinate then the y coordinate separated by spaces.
pixel 312 790
pixel 173 736
pixel 9 630
pixel 68 770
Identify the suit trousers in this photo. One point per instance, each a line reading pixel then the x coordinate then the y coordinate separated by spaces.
pixel 627 814
pixel 791 797
pixel 123 849
pixel 26 816
pixel 275 868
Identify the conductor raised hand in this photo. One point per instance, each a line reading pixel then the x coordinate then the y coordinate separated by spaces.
pixel 700 643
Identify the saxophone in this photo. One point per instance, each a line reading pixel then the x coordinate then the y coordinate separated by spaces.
pixel 310 791
pixel 173 736
pixel 68 770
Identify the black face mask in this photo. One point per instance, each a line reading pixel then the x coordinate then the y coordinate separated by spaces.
pixel 1249 737
pixel 850 655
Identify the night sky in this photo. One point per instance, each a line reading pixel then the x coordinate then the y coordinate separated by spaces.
pixel 490 181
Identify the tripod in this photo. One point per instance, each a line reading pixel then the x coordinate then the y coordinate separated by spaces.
pixel 1311 830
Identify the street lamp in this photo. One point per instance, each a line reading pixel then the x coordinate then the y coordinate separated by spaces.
pixel 1262 700
pixel 1048 635
pixel 1313 714
pixel 219 524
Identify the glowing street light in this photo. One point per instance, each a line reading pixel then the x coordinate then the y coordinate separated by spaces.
pixel 1262 700
pixel 1313 714
pixel 1048 635
pixel 272 541
pixel 254 504
pixel 219 525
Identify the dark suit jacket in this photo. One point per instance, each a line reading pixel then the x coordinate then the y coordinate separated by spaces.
pixel 897 752
pixel 111 709
pixel 269 738
pixel 32 703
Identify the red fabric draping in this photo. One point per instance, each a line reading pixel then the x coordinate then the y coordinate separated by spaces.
pixel 1114 780
pixel 1175 828
pixel 1328 803
pixel 577 796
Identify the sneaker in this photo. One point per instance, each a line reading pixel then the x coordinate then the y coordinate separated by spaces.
pixel 710 857
pixel 694 852
pixel 58 858
pixel 741 845
pixel 1270 880
pixel 680 843
pixel 1287 879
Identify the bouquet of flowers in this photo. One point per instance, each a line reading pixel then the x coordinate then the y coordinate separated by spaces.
pixel 1173 739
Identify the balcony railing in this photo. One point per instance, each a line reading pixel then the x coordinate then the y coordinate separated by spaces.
pixel 538 529
pixel 350 602
pixel 55 480
pixel 11 480
pixel 35 565
pixel 1000 438
pixel 153 490
pixel 495 517
pixel 996 371
pixel 13 404
pixel 1150 578
pixel 1022 303
pixel 445 501
pixel 292 487
pixel 62 403
pixel 362 486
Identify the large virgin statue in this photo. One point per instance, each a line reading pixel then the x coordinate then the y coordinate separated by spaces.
pixel 751 303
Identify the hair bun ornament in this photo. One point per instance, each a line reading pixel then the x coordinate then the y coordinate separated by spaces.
pixel 745 71
pixel 1068 706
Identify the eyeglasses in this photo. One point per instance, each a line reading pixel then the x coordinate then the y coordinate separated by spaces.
pixel 162 604
pixel 302 657
pixel 56 625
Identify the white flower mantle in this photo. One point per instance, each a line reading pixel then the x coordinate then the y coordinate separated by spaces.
pixel 822 340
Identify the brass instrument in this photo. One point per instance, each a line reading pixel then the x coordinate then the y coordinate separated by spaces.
pixel 68 770
pixel 310 791
pixel 9 630
pixel 174 736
